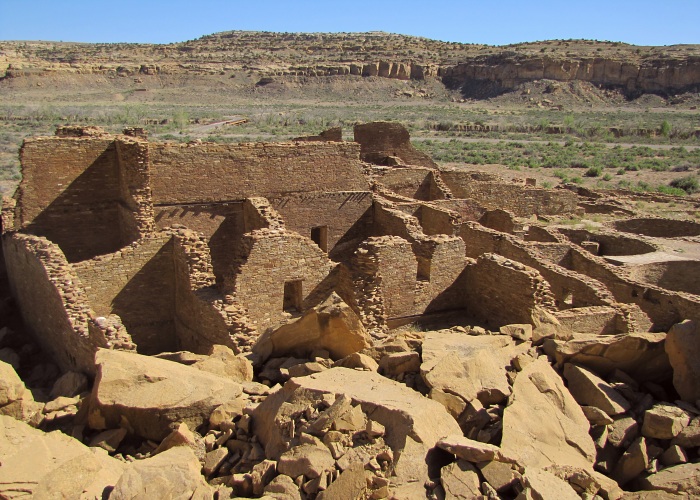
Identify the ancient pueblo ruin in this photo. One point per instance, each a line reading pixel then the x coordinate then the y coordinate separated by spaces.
pixel 332 319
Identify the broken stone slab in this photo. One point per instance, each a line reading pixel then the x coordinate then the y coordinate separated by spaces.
pixel 518 331
pixel 540 484
pixel 470 367
pixel 69 384
pixel 11 386
pixel 413 423
pixel 632 463
pixel 500 475
pixel 222 361
pixel 25 409
pixel 282 488
pixel 674 455
pixel 182 436
pixel 332 326
pixel 596 416
pixel 623 431
pixel 150 397
pixel 664 421
pixel 307 459
pixel 470 450
pixel 175 473
pixel 351 484
pixel 543 424
pixel 51 465
pixel 359 361
pixel 589 389
pixel 683 349
pixel 395 364
pixel 689 437
pixel 680 480
pixel 460 479
pixel 641 355
pixel 453 404
pixel 109 440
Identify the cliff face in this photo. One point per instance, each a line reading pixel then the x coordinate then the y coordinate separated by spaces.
pixel 635 69
pixel 653 75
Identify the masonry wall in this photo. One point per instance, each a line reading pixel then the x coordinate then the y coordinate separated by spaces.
pixel 53 305
pixel 271 259
pixel 346 217
pixel 411 182
pixel 70 193
pixel 664 308
pixel 381 139
pixel 610 243
pixel 677 275
pixel 437 286
pixel 204 173
pixel 519 200
pixel 138 284
pixel 658 227
pixel 500 292
pixel 435 220
pixel 396 269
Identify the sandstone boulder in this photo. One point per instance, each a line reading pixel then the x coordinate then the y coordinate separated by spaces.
pixel 151 397
pixel 173 474
pixel 589 389
pixel 664 421
pixel 307 459
pixel 11 386
pixel 413 423
pixel 681 480
pixel 222 361
pixel 332 325
pixel 460 480
pixel 543 424
pixel 51 465
pixel 641 355
pixel 69 384
pixel 542 484
pixel 470 367
pixel 683 348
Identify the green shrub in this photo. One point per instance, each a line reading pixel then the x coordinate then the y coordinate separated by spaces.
pixel 689 184
pixel 608 177
pixel 593 172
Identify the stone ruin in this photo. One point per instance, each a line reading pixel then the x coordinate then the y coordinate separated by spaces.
pixel 243 312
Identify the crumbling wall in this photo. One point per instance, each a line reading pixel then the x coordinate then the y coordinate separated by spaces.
pixel 437 276
pixel 413 182
pixel 70 193
pixel 520 200
pixel 138 284
pixel 379 140
pixel 498 291
pixel 205 173
pixel 664 308
pixel 499 220
pixel 136 214
pixel 609 242
pixel 277 270
pixel 53 304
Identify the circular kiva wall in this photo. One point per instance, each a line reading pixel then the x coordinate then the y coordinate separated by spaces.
pixel 676 275
pixel 661 228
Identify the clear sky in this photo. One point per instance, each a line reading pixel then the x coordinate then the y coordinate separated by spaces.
pixel 499 22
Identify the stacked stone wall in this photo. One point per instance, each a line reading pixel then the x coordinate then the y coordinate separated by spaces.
pixel 53 304
pixel 205 173
pixel 521 201
pixel 412 182
pixel 70 193
pixel 138 284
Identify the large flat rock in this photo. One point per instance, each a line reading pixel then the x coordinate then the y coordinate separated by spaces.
pixel 151 396
pixel 683 348
pixel 471 367
pixel 544 425
pixel 51 465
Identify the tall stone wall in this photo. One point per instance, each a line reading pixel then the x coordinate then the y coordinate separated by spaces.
pixel 412 182
pixel 205 173
pixel 274 264
pixel 138 284
pixel 70 193
pixel 53 304
pixel 499 291
pixel 519 200
pixel 344 217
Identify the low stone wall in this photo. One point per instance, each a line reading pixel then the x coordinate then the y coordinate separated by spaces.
pixel 658 227
pixel 521 201
pixel 609 243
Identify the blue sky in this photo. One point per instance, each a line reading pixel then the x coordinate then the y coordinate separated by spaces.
pixel 640 22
